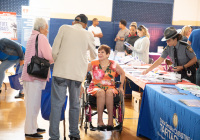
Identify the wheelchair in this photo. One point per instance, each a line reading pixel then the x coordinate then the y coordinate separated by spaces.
pixel 88 108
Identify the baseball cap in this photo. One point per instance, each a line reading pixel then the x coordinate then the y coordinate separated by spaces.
pixel 81 18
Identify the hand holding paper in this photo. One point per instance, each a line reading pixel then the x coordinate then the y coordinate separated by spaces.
pixel 128 45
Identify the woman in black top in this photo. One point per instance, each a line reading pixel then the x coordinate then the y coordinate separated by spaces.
pixel 131 38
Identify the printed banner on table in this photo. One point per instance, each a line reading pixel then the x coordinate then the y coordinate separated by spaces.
pixel 8 25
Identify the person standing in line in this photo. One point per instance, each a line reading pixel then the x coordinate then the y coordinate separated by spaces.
pixel 96 32
pixel 33 86
pixel 70 56
pixel 121 36
pixel 194 41
pixel 131 38
pixel 141 46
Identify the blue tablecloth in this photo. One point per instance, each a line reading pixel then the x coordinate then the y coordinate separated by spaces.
pixel 164 117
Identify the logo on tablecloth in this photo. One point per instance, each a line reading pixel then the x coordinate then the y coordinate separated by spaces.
pixel 175 120
pixel 169 132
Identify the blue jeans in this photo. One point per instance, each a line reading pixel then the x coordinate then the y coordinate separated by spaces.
pixel 6 65
pixel 198 74
pixel 58 96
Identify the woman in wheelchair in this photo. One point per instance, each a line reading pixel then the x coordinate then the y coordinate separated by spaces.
pixel 102 85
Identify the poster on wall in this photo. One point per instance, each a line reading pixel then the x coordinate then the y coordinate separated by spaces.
pixel 8 25
pixel 28 16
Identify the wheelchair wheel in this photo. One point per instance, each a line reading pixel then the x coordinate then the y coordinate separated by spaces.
pixel 82 110
pixel 122 106
pixel 120 111
pixel 122 115
pixel 86 127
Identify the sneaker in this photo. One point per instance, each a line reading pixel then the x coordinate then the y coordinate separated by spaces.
pixel 39 130
pixel 19 96
pixel 36 135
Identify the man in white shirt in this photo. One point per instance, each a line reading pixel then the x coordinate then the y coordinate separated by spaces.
pixel 96 32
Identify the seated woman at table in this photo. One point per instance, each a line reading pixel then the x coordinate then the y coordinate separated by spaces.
pixel 141 46
pixel 183 57
pixel 103 84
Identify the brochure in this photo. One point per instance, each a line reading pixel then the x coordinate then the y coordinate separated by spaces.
pixel 171 90
pixel 191 103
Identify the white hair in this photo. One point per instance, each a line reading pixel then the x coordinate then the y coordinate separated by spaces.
pixel 39 22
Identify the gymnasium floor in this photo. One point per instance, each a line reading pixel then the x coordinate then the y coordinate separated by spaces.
pixel 12 118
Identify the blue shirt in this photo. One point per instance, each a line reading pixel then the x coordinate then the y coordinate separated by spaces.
pixel 4 56
pixel 12 57
pixel 195 41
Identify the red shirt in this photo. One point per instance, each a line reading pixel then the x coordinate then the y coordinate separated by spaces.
pixel 131 35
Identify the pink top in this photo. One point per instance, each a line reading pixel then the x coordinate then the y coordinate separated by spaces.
pixel 44 51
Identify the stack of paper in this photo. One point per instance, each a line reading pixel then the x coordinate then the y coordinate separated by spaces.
pixel 194 89
pixel 141 67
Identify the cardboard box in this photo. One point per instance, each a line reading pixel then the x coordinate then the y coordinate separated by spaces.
pixel 136 99
pixel 136 104
pixel 136 94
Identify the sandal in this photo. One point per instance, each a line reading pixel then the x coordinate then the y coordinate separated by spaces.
pixel 101 127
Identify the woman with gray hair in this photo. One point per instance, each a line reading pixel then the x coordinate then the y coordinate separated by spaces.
pixel 33 86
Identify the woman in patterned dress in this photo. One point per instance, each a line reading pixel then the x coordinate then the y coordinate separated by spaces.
pixel 102 85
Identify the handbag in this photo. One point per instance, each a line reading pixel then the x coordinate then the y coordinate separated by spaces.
pixel 38 67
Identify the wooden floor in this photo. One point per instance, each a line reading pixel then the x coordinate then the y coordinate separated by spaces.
pixel 12 118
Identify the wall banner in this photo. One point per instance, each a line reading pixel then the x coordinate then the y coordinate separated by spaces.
pixel 8 25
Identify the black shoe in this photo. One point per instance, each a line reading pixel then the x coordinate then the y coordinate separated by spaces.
pixel 19 96
pixel 0 91
pixel 36 135
pixel 74 138
pixel 39 130
pixel 118 127
pixel 101 127
pixel 109 127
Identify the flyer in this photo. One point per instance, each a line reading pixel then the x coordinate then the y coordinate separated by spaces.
pixel 191 103
pixel 171 90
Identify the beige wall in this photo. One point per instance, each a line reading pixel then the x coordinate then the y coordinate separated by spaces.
pixel 186 12
pixel 68 9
